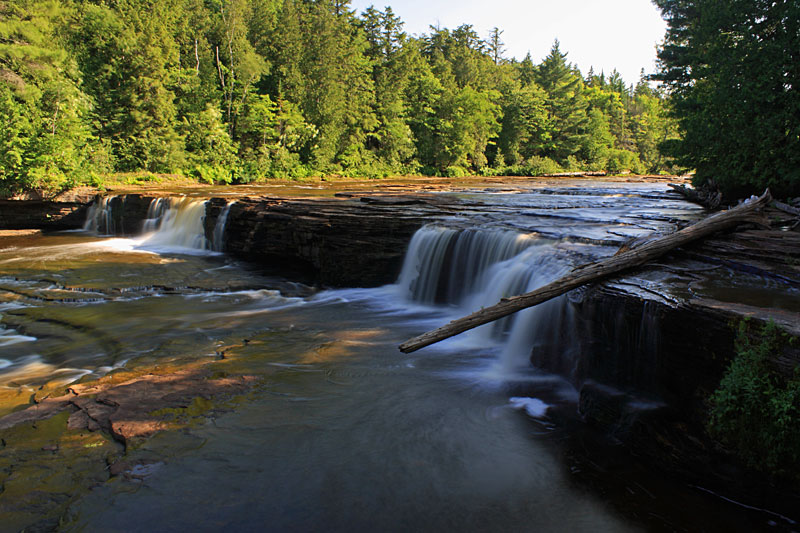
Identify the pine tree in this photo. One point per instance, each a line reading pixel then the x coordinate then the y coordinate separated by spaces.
pixel 566 106
pixel 732 72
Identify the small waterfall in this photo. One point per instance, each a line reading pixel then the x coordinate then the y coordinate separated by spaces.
pixel 181 225
pixel 98 216
pixel 155 214
pixel 218 237
pixel 475 268
pixel 422 266
pixel 444 265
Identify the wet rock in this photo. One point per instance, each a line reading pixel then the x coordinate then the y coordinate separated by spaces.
pixel 130 410
pixel 41 214
pixel 79 420
pixel 41 411
pixel 336 242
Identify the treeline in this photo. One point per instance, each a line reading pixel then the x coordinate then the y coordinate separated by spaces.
pixel 232 91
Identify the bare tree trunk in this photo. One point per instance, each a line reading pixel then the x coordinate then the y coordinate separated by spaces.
pixel 623 260
pixel 197 59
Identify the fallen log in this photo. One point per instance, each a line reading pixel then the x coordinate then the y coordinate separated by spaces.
pixel 709 197
pixel 627 259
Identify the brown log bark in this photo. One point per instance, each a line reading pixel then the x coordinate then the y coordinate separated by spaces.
pixel 648 251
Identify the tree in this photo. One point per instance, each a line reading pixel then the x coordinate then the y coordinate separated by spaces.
pixel 465 121
pixel 45 135
pixel 394 60
pixel 239 67
pixel 733 72
pixel 496 46
pixel 130 60
pixel 318 51
pixel 566 106
pixel 524 126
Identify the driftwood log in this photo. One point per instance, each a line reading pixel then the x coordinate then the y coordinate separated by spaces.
pixel 708 196
pixel 624 260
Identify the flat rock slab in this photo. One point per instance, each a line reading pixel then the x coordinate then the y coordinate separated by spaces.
pixel 133 409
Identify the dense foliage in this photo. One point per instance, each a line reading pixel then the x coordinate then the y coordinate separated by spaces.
pixel 238 90
pixel 755 411
pixel 733 70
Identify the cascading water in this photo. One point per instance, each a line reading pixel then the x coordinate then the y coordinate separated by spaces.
pixel 98 217
pixel 181 225
pixel 444 265
pixel 170 223
pixel 475 268
pixel 155 214
pixel 218 237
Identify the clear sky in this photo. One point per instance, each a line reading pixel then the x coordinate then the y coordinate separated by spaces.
pixel 604 34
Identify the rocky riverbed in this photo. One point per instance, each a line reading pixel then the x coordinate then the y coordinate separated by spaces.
pixel 658 337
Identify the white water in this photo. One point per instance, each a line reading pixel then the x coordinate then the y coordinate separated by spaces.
pixel 472 269
pixel 457 271
pixel 181 226
pixel 98 217
pixel 218 239
pixel 172 225
pixel 155 214
pixel 445 265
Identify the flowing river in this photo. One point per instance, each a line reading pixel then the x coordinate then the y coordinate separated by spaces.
pixel 346 433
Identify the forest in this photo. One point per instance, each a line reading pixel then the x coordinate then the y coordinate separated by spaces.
pixel 236 91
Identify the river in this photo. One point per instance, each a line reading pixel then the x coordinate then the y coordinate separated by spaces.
pixel 345 433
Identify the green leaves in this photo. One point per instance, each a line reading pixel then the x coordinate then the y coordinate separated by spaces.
pixel 732 69
pixel 755 411
pixel 239 90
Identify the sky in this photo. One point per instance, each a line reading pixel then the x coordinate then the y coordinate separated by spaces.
pixel 604 34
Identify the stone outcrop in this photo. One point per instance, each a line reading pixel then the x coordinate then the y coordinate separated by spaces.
pixel 343 242
pixel 41 214
pixel 132 409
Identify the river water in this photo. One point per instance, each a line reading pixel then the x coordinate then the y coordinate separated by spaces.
pixel 345 433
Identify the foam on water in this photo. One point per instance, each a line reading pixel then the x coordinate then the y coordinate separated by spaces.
pixel 535 407
pixel 180 229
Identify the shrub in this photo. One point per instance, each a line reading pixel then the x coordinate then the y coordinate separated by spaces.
pixel 622 160
pixel 213 174
pixel 755 411
pixel 539 166
pixel 456 172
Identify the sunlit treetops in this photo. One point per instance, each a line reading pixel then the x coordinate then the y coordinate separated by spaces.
pixel 233 91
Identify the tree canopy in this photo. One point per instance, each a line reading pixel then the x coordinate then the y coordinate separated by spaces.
pixel 232 91
pixel 733 71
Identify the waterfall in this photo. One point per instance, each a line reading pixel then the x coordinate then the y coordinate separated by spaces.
pixel 169 223
pixel 475 268
pixel 98 216
pixel 155 214
pixel 444 265
pixel 218 237
pixel 181 225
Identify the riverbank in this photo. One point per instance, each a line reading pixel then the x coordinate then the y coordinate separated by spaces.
pixel 662 335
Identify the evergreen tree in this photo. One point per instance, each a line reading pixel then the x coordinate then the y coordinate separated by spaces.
pixel 320 52
pixel 394 60
pixel 496 46
pixel 524 126
pixel 732 71
pixel 566 106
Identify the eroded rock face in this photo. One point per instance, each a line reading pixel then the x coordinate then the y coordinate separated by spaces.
pixel 42 214
pixel 335 242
